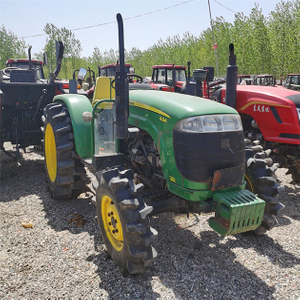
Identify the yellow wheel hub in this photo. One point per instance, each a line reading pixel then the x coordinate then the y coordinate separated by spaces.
pixel 249 185
pixel 112 223
pixel 50 153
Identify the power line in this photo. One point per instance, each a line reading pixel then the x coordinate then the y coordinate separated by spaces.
pixel 224 6
pixel 112 22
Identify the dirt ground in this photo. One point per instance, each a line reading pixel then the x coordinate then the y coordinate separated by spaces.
pixel 63 256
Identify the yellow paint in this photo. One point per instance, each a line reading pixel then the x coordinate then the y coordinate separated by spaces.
pixel 162 119
pixel 148 107
pixel 172 179
pixel 112 223
pixel 50 153
pixel 103 90
pixel 250 185
pixel 262 103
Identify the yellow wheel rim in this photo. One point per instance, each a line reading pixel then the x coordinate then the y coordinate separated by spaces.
pixel 50 153
pixel 112 223
pixel 248 184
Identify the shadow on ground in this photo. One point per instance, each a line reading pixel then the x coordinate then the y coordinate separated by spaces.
pixel 189 265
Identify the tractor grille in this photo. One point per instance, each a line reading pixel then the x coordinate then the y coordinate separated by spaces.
pixel 198 155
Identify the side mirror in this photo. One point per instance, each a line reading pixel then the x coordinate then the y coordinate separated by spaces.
pixel 87 116
pixel 45 59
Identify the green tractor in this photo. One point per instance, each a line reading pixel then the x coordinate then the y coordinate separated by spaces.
pixel 188 149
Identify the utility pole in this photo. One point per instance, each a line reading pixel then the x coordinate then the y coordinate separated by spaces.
pixel 212 29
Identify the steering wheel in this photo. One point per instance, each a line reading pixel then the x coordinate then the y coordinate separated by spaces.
pixel 139 79
pixel 7 70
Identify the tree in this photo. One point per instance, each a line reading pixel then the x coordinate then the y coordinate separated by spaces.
pixel 284 25
pixel 72 49
pixel 10 46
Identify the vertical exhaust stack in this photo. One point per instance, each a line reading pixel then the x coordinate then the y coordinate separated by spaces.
pixel 189 71
pixel 122 89
pixel 29 58
pixel 59 46
pixel 199 75
pixel 231 78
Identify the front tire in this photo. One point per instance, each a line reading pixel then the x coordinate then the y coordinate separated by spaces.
pixel 64 169
pixel 261 180
pixel 123 220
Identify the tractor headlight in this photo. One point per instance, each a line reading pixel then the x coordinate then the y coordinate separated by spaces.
pixel 210 123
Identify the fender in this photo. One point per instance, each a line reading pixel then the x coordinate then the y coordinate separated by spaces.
pixel 77 104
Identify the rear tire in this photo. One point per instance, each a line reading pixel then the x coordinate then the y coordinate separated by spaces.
pixel 123 220
pixel 64 170
pixel 261 180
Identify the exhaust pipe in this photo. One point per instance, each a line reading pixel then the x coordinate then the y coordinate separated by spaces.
pixel 29 58
pixel 59 55
pixel 189 71
pixel 122 88
pixel 231 79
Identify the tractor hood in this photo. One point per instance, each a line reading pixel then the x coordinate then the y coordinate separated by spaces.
pixel 269 94
pixel 175 106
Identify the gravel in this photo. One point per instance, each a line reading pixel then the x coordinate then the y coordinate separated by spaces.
pixel 63 255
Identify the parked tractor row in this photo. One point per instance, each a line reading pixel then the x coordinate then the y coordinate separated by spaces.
pixel 187 153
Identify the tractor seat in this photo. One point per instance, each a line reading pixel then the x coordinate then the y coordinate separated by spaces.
pixel 103 89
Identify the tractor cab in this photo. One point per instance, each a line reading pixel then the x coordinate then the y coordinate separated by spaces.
pixel 265 79
pixel 292 82
pixel 110 70
pixel 168 77
pixel 244 79
pixel 14 64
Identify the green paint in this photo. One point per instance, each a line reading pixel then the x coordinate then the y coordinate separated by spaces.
pixel 200 194
pixel 77 104
pixel 237 212
pixel 173 107
pixel 156 112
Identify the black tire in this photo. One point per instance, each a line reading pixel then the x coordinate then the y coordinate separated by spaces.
pixel 64 170
pixel 261 180
pixel 123 220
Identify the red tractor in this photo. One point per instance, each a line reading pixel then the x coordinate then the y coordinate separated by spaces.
pixel 270 115
pixel 168 77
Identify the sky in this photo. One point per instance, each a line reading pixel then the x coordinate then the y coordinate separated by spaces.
pixel 157 19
